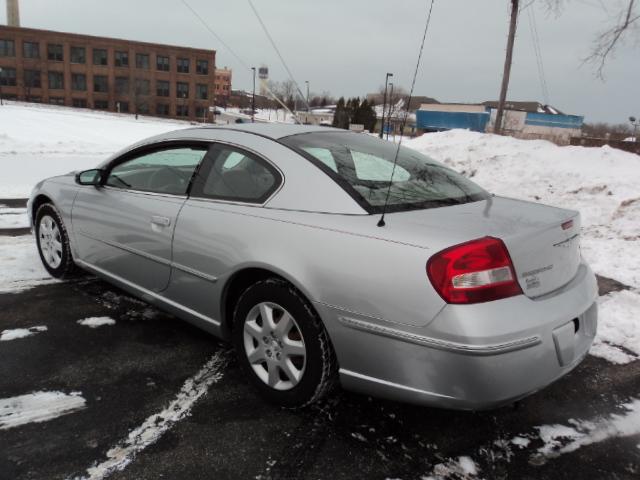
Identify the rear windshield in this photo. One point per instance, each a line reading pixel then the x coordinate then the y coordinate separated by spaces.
pixel 363 164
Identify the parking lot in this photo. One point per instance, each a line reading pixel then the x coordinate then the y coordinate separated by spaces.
pixel 147 396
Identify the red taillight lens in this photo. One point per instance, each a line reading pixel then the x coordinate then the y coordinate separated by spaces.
pixel 474 272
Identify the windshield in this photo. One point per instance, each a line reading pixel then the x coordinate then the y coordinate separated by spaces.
pixel 363 166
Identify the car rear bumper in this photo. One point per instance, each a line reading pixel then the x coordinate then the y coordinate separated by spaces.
pixel 470 356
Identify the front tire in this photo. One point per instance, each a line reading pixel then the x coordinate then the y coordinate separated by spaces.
pixel 282 345
pixel 53 242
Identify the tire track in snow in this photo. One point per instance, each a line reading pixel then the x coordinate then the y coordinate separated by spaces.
pixel 195 387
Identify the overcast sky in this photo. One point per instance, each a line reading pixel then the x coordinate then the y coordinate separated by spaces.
pixel 346 46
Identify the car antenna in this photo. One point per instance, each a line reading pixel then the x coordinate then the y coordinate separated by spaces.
pixel 381 222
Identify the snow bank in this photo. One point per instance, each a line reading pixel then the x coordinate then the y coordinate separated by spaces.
pixel 21 265
pixel 37 407
pixel 13 217
pixel 95 322
pixel 462 468
pixel 602 183
pixel 618 339
pixel 16 333
pixel 39 141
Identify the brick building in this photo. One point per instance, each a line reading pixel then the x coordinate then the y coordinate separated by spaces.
pixel 107 73
pixel 222 86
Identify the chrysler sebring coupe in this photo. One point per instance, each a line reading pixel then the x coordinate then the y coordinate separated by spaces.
pixel 269 235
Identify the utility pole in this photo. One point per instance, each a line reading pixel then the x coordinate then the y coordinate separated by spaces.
pixel 308 108
pixel 0 87
pixel 384 102
pixel 390 109
pixel 253 97
pixel 507 66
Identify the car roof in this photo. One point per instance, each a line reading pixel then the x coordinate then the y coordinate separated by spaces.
pixel 274 131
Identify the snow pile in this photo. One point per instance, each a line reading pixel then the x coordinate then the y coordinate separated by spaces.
pixel 618 338
pixel 13 217
pixel 463 468
pixel 21 265
pixel 39 141
pixel 95 322
pixel 37 407
pixel 16 333
pixel 602 183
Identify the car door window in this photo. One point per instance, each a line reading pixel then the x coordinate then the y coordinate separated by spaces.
pixel 234 174
pixel 162 171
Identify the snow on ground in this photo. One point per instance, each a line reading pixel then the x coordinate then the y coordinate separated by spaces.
pixel 618 338
pixel 37 407
pixel 462 468
pixel 16 333
pixel 602 183
pixel 95 322
pixel 21 265
pixel 39 141
pixel 156 425
pixel 13 217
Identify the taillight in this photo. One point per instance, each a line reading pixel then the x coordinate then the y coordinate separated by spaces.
pixel 474 272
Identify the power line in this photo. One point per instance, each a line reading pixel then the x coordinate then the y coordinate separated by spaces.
pixel 538 52
pixel 224 44
pixel 404 120
pixel 275 47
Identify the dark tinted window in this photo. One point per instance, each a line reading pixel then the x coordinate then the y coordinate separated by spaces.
pixel 182 65
pixel 56 80
pixel 162 63
pixel 78 55
pixel 363 165
pixel 99 56
pixel 202 67
pixel 100 83
pixel 121 59
pixel 162 171
pixel 54 52
pixel 32 79
pixel 162 88
pixel 236 175
pixel 78 81
pixel 8 77
pixel 142 60
pixel 7 48
pixel 31 50
pixel 122 85
pixel 202 91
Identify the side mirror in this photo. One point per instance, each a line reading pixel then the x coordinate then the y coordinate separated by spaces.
pixel 90 177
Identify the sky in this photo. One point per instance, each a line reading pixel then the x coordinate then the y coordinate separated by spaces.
pixel 346 47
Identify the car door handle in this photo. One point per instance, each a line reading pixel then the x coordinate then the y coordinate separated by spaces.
pixel 159 220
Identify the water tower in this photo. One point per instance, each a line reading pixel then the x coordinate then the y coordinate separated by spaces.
pixel 263 75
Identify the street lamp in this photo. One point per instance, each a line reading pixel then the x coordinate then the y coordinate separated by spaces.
pixel 384 102
pixel 390 109
pixel 636 124
pixel 307 82
pixel 253 97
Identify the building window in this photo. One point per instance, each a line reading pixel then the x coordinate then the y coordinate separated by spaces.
pixel 122 59
pixel 182 90
pixel 79 82
pixel 162 109
pixel 202 67
pixel 162 88
pixel 162 63
pixel 8 77
pixel 30 49
pixel 101 104
pixel 122 107
pixel 99 56
pixel 182 65
pixel 7 48
pixel 100 83
pixel 201 112
pixel 79 102
pixel 182 110
pixel 142 107
pixel 202 92
pixel 36 99
pixel 78 55
pixel 143 86
pixel 54 52
pixel 32 79
pixel 56 80
pixel 122 85
pixel 142 61
pixel 56 100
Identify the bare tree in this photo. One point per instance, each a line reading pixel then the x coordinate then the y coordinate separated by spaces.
pixel 624 23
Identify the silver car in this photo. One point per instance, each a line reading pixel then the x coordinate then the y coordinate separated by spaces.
pixel 270 235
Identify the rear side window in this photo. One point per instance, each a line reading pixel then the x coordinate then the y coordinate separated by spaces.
pixel 161 171
pixel 233 174
pixel 363 166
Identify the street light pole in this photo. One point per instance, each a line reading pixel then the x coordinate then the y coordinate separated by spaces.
pixel 384 102
pixel 307 82
pixel 253 97
pixel 390 109
pixel 635 124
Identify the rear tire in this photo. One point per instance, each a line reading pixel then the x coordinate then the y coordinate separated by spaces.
pixel 282 345
pixel 53 242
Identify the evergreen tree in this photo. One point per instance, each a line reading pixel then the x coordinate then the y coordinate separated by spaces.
pixel 341 116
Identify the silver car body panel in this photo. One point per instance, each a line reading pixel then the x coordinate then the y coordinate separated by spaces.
pixel 393 334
